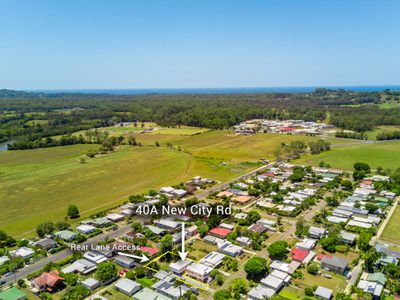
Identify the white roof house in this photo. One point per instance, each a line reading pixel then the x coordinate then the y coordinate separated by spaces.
pixel 94 257
pixel 323 293
pixel 212 259
pixel 260 292
pixel 316 232
pixel 23 252
pixel 115 217
pixel 85 229
pixel 306 244
pixel 81 266
pixel 180 266
pixel 230 249
pixel 127 286
pixel 273 282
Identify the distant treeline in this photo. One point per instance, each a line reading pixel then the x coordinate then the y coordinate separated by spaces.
pixel 68 113
pixel 393 135
pixel 351 135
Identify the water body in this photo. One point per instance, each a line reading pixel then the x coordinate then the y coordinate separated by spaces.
pixel 242 90
pixel 3 146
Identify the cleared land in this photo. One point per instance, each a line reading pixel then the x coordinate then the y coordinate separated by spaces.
pixel 38 185
pixel 391 233
pixel 384 154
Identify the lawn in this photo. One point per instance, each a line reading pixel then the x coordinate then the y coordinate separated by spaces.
pixel 146 282
pixel 336 283
pixel 392 230
pixel 384 154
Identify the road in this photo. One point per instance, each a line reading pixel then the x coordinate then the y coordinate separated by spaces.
pixel 225 185
pixel 22 273
pixel 36 266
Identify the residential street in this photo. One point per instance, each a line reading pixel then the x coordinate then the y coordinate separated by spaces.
pixel 22 273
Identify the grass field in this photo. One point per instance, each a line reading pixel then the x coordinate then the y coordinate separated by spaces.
pixel 384 154
pixel 336 283
pixel 391 233
pixel 38 185
pixel 372 134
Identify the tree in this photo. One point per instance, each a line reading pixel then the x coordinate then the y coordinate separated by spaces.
pixel 71 279
pixel 255 267
pixel 222 295
pixel 278 250
pixel 106 271
pixel 371 207
pixel 73 211
pixel 313 269
pixel 166 243
pixel 44 229
pixel 362 166
pixel 238 286
pixel 61 225
pixel 301 227
pixel 78 292
pixel 253 216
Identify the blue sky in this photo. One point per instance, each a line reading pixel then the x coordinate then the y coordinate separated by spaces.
pixel 189 44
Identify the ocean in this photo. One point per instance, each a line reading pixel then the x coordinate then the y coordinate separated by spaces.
pixel 239 90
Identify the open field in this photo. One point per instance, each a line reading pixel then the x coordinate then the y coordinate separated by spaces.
pixel 38 185
pixel 391 233
pixel 336 283
pixel 372 134
pixel 384 154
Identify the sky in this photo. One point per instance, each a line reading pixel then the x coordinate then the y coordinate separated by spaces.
pixel 95 44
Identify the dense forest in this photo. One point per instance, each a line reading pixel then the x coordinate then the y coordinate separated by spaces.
pixel 34 116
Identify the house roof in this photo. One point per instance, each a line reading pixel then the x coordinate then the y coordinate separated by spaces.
pixel 377 277
pixel 220 231
pixel 299 254
pixel 49 279
pixel 12 294
pixel 127 285
pixel 335 261
pixel 149 250
pixel 323 292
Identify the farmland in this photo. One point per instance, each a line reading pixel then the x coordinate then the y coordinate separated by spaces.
pixel 39 184
pixel 383 154
pixel 391 233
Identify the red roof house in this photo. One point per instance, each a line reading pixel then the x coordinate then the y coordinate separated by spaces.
pixel 220 232
pixel 268 174
pixel 299 254
pixel 48 281
pixel 320 256
pixel 150 251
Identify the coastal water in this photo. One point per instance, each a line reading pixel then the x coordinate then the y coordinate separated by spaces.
pixel 242 90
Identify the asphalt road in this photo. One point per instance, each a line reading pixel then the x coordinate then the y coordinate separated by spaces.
pixel 225 185
pixel 22 273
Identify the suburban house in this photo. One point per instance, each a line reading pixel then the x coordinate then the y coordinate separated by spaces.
pixel 12 293
pixel 198 271
pixel 66 235
pixel 85 229
pixel 230 249
pixel 46 244
pixel 179 267
pixel 23 252
pixel 220 232
pixel 334 264
pixel 212 259
pixel 80 266
pixel 125 261
pixel 150 251
pixel 347 237
pixel 127 286
pixel 91 283
pixel 48 281
pixel 316 232
pixel 323 293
